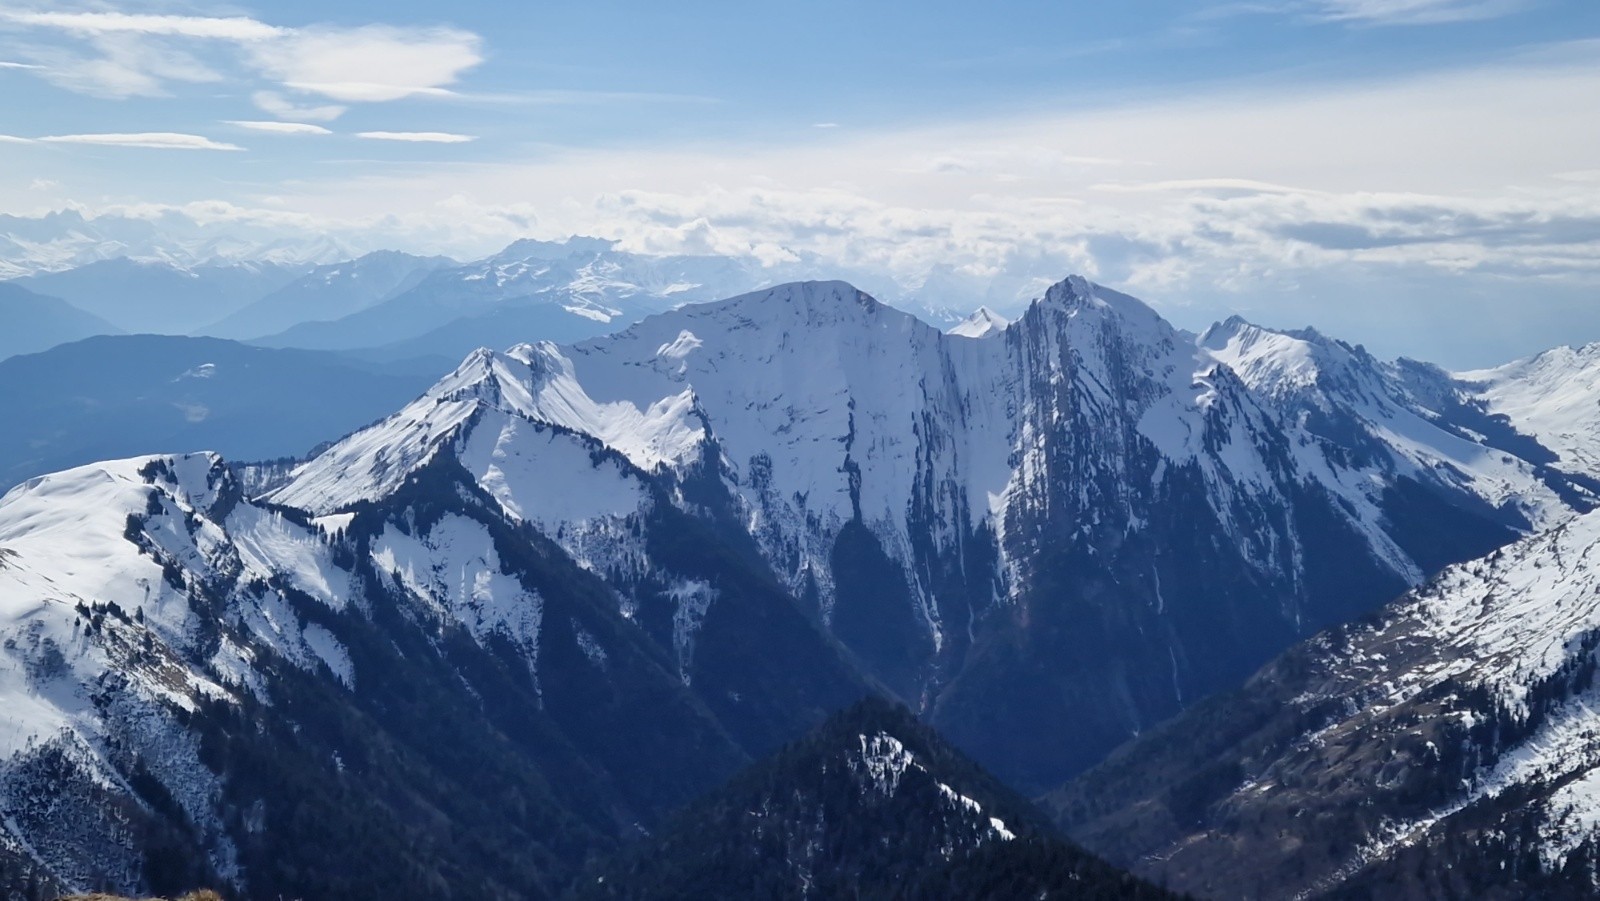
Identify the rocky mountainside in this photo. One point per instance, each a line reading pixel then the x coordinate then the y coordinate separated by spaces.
pixel 204 690
pixel 570 588
pixel 872 804
pixel 1448 747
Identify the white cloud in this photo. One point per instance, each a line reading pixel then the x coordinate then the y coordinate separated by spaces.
pixel 418 137
pixel 138 54
pixel 1414 12
pixel 13 139
pixel 1191 185
pixel 276 104
pixel 11 65
pixel 372 63
pixel 154 140
pixel 1451 170
pixel 233 28
pixel 281 128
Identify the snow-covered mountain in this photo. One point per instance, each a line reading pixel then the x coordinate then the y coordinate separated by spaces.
pixel 981 324
pixel 201 689
pixel 1448 748
pixel 934 499
pixel 1554 397
pixel 700 534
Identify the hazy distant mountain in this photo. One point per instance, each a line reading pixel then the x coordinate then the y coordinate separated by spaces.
pixel 156 297
pixel 34 322
pixel 329 292
pixel 538 290
pixel 111 397
pixel 67 239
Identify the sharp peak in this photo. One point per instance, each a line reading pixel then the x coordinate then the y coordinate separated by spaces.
pixel 1077 293
pixel 980 323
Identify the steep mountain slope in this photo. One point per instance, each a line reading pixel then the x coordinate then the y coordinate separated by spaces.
pixel 151 296
pixel 1003 531
pixel 1415 421
pixel 568 290
pixel 34 322
pixel 1553 397
pixel 872 804
pixel 112 397
pixel 328 292
pixel 422 697
pixel 1448 747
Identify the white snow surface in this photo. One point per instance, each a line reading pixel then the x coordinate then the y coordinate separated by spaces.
pixel 983 323
pixel 1555 397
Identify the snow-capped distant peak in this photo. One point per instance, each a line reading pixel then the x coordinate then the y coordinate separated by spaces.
pixel 1553 397
pixel 983 323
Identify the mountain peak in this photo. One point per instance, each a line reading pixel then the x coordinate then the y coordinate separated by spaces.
pixel 983 323
pixel 1076 293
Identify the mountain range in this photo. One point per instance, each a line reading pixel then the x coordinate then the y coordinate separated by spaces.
pixel 571 588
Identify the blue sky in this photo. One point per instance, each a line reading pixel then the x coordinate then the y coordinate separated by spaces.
pixel 1367 165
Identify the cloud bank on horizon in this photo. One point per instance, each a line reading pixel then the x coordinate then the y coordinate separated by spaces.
pixel 1379 167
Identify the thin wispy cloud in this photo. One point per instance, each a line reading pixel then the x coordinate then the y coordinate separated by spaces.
pixel 1368 12
pixel 280 128
pixel 138 55
pixel 150 140
pixel 230 28
pixel 417 137
pixel 276 104
pixel 6 64
pixel 1182 185
pixel 1414 12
